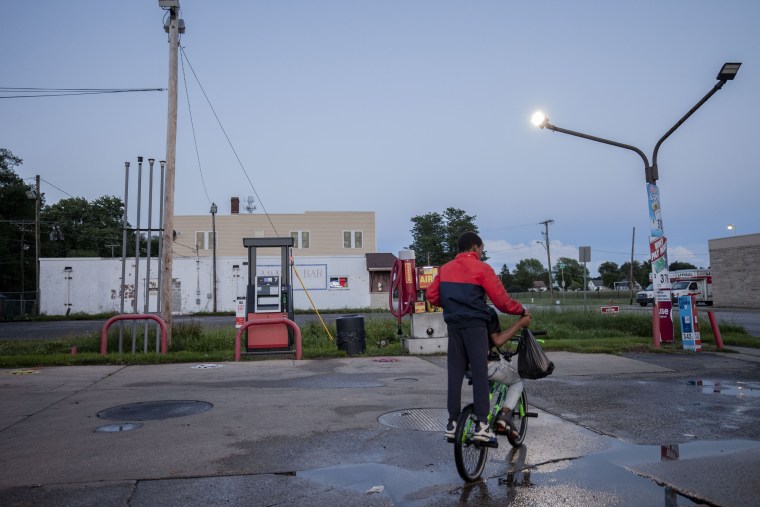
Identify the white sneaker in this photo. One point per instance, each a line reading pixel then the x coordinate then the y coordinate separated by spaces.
pixel 451 430
pixel 483 433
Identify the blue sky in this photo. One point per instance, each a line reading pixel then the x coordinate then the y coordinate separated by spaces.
pixel 405 107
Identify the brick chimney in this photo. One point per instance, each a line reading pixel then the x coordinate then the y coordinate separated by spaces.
pixel 235 205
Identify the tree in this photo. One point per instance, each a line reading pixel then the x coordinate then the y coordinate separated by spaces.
pixel 625 272
pixel 434 235
pixel 528 271
pixel 610 273
pixel 88 228
pixel 505 276
pixel 646 271
pixel 675 266
pixel 572 272
pixel 16 227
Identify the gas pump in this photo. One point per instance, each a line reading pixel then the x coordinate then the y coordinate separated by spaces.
pixel 425 277
pixel 404 284
pixel 269 298
pixel 429 334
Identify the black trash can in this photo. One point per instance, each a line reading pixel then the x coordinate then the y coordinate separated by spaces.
pixel 351 336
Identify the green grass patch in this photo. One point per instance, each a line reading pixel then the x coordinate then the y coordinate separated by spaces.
pixel 569 330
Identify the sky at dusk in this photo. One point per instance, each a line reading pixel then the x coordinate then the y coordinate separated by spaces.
pixel 404 107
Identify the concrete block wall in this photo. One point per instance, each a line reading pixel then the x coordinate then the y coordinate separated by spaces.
pixel 735 266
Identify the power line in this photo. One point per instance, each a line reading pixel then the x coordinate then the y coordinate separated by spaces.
pixel 57 188
pixel 228 140
pixel 25 93
pixel 192 126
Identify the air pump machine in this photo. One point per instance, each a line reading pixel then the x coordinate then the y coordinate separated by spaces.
pixel 269 297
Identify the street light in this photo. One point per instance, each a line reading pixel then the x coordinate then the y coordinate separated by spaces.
pixel 657 240
pixel 732 227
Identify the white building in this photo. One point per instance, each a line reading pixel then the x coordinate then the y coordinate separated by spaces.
pixel 334 256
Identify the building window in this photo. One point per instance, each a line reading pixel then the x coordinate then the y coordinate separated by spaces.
pixel 339 282
pixel 300 239
pixel 204 240
pixel 352 239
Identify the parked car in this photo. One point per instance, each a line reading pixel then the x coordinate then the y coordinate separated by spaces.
pixel 646 296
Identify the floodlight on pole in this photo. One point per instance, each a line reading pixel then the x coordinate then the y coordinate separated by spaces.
pixel 732 227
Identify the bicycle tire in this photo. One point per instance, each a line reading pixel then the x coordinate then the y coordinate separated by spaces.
pixel 520 421
pixel 469 456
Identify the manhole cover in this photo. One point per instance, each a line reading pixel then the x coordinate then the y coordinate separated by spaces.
pixel 407 379
pixel 420 419
pixel 151 410
pixel 115 428
pixel 206 366
pixel 24 372
pixel 386 360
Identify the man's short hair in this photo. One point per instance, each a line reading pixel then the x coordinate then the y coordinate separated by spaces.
pixel 467 240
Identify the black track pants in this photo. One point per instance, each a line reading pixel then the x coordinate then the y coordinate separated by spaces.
pixel 468 345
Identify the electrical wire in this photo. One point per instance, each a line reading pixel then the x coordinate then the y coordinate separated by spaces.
pixel 57 188
pixel 189 63
pixel 192 126
pixel 26 93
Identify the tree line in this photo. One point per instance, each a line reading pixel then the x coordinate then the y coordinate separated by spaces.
pixel 434 241
pixel 72 227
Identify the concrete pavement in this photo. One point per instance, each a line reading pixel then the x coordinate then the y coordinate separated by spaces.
pixel 326 432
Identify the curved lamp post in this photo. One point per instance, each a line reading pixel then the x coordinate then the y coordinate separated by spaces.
pixel 657 240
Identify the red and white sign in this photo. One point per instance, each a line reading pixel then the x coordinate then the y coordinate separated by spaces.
pixel 610 309
pixel 240 313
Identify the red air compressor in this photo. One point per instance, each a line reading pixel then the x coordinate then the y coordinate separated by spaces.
pixel 403 283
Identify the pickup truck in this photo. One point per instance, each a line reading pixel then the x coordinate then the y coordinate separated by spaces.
pixel 646 296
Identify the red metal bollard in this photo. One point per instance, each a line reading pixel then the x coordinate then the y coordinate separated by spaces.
pixel 131 316
pixel 655 327
pixel 715 330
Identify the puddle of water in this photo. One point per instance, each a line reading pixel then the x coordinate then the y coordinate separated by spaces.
pixel 397 482
pixel 739 389
pixel 512 479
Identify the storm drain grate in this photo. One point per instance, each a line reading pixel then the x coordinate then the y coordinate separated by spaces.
pixel 420 419
pixel 151 410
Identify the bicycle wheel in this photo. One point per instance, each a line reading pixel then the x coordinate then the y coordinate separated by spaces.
pixel 469 455
pixel 520 418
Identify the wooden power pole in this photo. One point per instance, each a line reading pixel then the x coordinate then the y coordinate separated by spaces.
pixel 167 235
pixel 548 256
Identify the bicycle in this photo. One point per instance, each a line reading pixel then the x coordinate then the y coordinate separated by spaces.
pixel 470 455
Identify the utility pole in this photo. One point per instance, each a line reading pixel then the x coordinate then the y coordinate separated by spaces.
pixel 548 255
pixel 630 276
pixel 37 202
pixel 213 233
pixel 173 29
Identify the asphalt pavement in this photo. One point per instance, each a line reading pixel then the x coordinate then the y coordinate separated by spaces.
pixel 645 429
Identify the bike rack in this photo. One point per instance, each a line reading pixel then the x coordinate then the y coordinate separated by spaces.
pixel 292 325
pixel 132 316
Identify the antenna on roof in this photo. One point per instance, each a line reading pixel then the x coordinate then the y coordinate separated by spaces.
pixel 250 208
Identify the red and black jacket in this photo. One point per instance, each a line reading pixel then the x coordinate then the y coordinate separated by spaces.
pixel 460 288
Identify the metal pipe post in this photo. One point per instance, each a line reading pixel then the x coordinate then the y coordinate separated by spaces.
pixel 123 252
pixel 137 249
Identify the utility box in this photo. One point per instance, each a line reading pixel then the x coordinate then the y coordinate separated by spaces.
pixel 429 334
